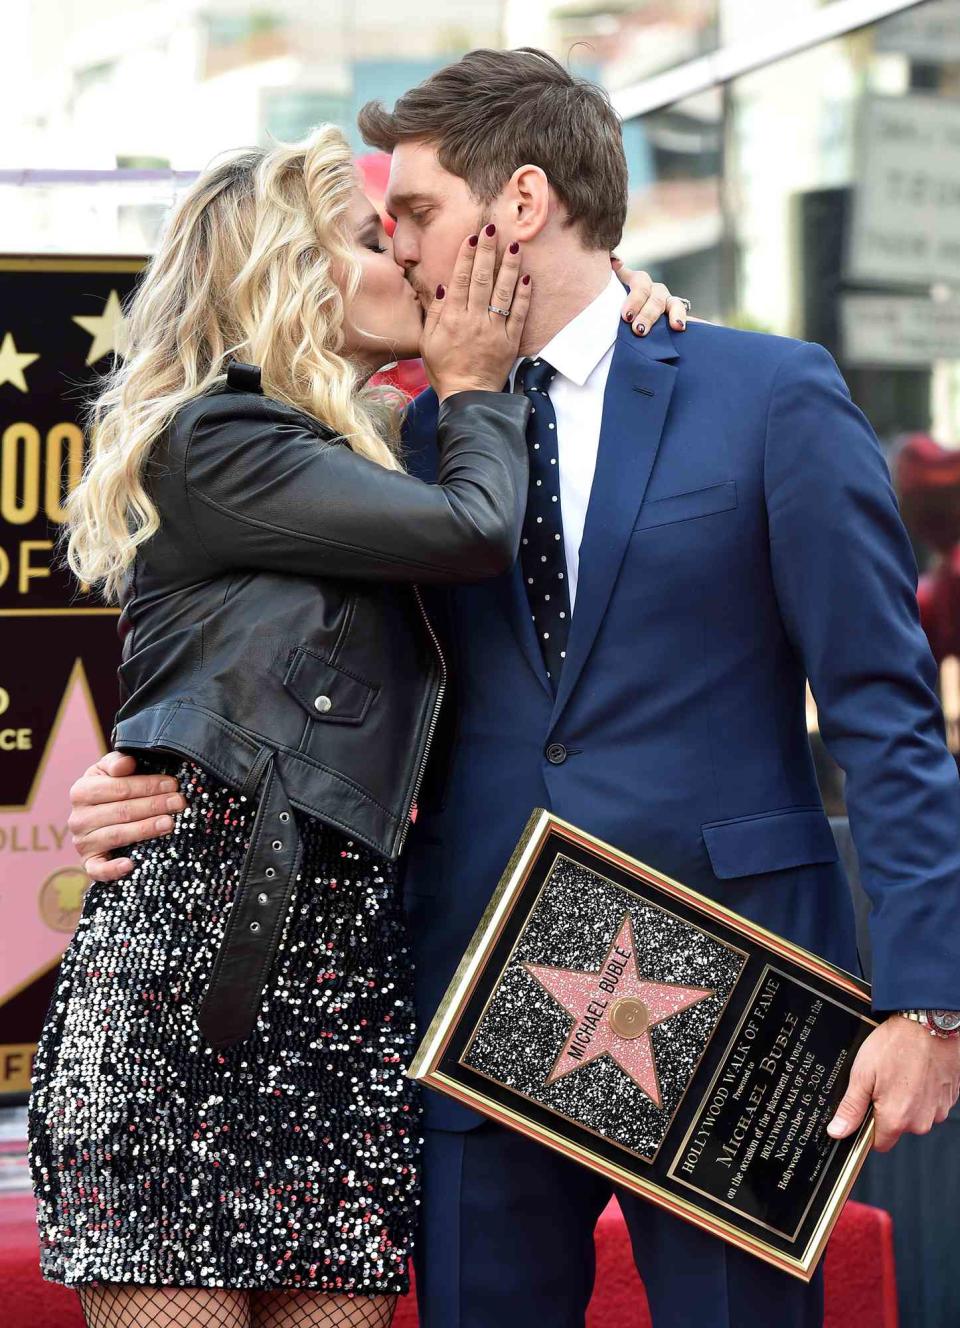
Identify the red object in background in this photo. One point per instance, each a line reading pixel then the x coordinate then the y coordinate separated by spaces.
pixel 374 170
pixel 408 375
pixel 860 1286
pixel 938 593
pixel 928 480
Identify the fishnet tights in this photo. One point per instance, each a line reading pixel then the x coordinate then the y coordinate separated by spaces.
pixel 115 1305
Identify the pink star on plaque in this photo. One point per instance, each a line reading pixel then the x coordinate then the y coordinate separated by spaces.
pixel 613 1010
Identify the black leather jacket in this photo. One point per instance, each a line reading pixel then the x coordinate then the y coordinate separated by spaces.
pixel 274 618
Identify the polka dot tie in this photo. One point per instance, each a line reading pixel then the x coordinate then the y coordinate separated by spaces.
pixel 542 555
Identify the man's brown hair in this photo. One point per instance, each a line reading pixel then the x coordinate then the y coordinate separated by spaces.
pixel 494 111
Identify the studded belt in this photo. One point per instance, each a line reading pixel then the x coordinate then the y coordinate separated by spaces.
pixel 255 923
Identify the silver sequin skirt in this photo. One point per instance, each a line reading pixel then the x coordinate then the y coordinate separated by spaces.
pixel 287 1160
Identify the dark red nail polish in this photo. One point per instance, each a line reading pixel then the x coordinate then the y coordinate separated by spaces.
pixel 491 229
pixel 474 239
pixel 440 292
pixel 514 248
pixel 641 329
pixel 525 281
pixel 629 315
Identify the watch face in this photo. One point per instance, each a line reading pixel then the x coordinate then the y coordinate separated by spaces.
pixel 946 1020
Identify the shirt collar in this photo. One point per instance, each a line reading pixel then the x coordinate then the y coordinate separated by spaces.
pixel 581 344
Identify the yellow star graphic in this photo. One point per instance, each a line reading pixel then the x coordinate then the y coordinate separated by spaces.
pixel 12 364
pixel 109 329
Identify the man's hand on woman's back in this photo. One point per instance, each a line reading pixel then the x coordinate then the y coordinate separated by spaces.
pixel 112 806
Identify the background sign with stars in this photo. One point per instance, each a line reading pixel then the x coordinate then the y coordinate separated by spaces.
pixel 61 324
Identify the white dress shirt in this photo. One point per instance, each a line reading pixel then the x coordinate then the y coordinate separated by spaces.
pixel 581 353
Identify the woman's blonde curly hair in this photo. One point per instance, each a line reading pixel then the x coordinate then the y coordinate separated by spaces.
pixel 254 265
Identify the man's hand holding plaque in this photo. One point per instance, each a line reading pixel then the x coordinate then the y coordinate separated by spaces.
pixel 911 1079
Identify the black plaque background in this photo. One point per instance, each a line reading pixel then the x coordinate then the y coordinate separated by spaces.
pixel 450 1065
pixel 759 1195
pixel 46 629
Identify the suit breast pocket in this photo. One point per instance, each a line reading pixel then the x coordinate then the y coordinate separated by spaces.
pixel 687 506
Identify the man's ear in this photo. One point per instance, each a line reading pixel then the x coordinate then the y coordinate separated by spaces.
pixel 526 202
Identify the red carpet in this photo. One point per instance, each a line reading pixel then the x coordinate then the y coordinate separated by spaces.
pixel 859 1275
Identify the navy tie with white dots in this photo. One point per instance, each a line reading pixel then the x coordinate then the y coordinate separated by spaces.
pixel 542 556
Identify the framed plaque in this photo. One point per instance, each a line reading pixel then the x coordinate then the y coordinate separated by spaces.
pixel 648 1032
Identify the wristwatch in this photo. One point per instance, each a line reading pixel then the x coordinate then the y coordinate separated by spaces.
pixel 940 1023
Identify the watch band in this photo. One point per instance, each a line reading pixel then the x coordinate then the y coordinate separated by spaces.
pixel 923 1017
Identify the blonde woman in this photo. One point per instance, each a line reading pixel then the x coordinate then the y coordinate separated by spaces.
pixel 221 1129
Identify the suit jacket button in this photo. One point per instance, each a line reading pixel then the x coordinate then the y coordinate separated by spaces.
pixel 323 704
pixel 556 753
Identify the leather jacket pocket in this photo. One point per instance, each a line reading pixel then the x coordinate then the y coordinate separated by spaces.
pixel 329 694
pixel 769 842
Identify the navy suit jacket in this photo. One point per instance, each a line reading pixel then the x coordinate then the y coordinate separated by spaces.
pixel 742 536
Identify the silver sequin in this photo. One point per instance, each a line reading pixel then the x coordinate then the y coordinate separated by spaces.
pixel 288 1160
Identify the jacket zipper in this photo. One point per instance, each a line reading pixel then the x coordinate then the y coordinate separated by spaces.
pixel 431 730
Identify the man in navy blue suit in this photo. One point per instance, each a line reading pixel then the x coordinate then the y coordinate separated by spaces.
pixel 711 524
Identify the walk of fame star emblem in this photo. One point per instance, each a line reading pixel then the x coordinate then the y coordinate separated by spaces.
pixel 613 1010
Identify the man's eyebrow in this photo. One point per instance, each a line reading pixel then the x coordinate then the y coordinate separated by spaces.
pixel 407 200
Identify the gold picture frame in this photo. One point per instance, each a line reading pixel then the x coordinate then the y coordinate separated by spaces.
pixel 841 1006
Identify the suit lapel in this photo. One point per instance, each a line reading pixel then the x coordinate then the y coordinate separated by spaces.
pixel 420 438
pixel 635 405
pixel 513 598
